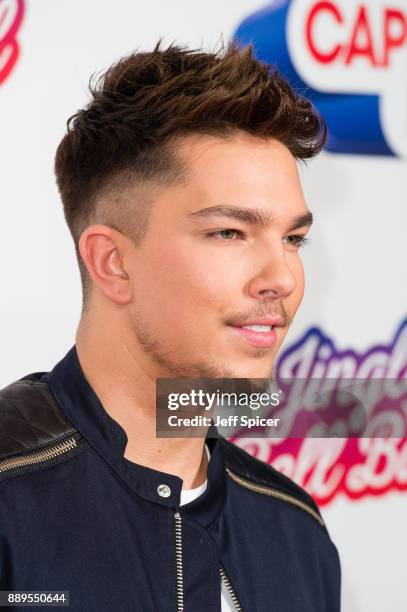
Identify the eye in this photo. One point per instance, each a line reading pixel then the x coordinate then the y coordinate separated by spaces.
pixel 226 234
pixel 296 240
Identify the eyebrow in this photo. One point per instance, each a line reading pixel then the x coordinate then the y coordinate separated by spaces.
pixel 253 216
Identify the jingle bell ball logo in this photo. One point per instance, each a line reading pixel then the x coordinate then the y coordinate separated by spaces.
pixel 11 17
pixel 353 467
pixel 350 58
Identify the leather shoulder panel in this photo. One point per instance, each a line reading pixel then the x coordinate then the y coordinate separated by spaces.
pixel 30 418
pixel 260 473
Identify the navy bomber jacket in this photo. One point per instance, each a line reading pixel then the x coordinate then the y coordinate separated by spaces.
pixel 77 516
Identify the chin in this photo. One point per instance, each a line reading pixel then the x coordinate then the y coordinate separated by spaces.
pixel 256 369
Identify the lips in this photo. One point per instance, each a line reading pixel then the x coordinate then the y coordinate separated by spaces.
pixel 259 332
pixel 272 320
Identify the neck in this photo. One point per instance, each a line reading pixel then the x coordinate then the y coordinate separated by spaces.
pixel 127 392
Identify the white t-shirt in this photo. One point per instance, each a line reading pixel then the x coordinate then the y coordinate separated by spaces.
pixel 188 495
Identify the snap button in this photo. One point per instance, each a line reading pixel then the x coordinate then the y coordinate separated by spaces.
pixel 163 490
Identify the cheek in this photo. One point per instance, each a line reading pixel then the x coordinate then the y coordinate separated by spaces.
pixel 203 292
pixel 182 287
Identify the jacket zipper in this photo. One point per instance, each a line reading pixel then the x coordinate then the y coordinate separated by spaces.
pixel 275 493
pixel 178 560
pixel 232 592
pixel 180 571
pixel 24 463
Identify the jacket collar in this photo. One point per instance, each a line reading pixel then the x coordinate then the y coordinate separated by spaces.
pixel 83 408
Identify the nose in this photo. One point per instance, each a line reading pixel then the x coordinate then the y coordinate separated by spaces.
pixel 276 279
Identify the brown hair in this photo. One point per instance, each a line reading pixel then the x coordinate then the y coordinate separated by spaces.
pixel 126 135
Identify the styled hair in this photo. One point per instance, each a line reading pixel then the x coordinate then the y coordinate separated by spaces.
pixel 127 134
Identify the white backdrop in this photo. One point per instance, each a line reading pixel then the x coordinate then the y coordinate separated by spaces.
pixel 356 290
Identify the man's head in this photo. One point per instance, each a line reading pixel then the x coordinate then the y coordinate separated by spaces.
pixel 181 191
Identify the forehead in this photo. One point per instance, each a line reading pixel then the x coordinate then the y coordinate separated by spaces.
pixel 241 166
pixel 240 170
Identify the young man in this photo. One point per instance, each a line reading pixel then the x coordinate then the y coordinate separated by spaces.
pixel 180 189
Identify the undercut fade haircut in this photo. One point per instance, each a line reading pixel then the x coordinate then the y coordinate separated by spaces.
pixel 127 135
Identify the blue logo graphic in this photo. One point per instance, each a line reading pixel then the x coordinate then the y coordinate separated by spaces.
pixel 355 117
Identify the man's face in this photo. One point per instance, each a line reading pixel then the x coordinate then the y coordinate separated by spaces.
pixel 220 252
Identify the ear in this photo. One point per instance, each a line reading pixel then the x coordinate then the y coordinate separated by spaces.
pixel 102 249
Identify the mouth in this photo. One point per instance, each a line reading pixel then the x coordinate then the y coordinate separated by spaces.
pixel 259 334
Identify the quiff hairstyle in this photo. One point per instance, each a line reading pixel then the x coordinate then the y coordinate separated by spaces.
pixel 127 135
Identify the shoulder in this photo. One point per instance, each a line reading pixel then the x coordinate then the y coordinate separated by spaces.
pixel 260 477
pixel 33 427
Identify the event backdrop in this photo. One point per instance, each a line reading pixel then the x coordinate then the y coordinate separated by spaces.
pixel 350 57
